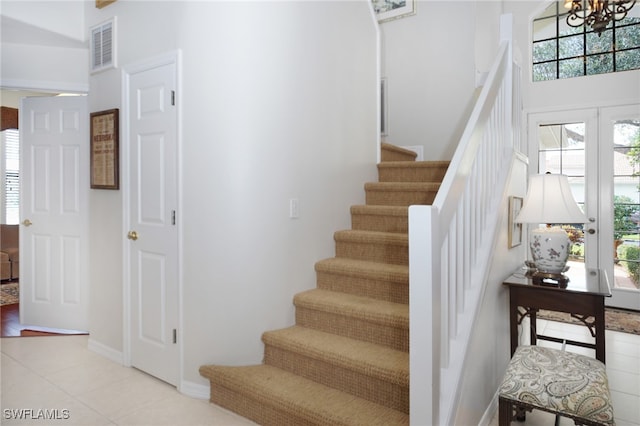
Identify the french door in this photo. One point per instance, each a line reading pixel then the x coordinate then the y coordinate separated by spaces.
pixel 599 150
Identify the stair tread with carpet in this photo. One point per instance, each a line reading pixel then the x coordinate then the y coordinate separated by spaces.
pixel 357 317
pixel 417 171
pixel 380 210
pixel 389 152
pixel 383 247
pixel 380 218
pixel 398 238
pixel 366 358
pixel 403 186
pixel 346 359
pixel 285 392
pixel 374 372
pixel 363 268
pixel 381 281
pixel 400 193
pixel 378 311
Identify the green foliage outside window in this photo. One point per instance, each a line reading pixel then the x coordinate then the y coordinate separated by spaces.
pixel 623 208
pixel 634 152
pixel 630 259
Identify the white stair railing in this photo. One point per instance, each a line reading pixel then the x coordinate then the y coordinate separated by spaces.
pixel 450 245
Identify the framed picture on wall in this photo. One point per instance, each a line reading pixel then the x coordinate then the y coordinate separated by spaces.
pixel 515 229
pixel 387 10
pixel 105 150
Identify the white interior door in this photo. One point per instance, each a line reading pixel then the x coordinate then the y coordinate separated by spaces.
pixel 54 191
pixel 152 210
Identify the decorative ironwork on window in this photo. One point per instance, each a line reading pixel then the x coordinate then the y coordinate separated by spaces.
pixel 563 51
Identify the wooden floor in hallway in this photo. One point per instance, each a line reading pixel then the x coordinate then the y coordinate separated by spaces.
pixel 10 320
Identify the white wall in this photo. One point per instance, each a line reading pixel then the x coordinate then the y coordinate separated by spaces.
pixel 137 37
pixel 44 46
pixel 44 68
pixel 430 63
pixel 279 101
pixel 65 18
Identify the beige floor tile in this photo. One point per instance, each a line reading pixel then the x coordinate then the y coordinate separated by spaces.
pixel 626 408
pixel 181 410
pixel 123 397
pixel 87 377
pixel 60 373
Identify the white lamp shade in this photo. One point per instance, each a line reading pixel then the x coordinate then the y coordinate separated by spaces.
pixel 549 200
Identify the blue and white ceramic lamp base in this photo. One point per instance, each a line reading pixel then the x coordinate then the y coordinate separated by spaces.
pixel 550 249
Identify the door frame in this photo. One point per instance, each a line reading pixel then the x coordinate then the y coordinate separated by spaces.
pixel 620 297
pixel 590 117
pixel 596 156
pixel 170 58
pixel 37 88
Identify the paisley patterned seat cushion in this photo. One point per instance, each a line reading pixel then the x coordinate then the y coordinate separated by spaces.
pixel 562 382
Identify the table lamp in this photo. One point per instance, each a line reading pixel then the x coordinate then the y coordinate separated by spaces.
pixel 549 200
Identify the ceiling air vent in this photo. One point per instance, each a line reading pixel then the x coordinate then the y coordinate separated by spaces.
pixel 103 42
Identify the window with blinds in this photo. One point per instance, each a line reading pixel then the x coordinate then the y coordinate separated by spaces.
pixel 11 192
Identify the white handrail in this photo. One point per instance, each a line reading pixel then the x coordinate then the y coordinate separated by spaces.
pixel 450 244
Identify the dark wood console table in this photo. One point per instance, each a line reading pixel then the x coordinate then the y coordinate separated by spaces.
pixel 583 298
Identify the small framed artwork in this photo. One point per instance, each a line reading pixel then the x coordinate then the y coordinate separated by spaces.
pixel 515 229
pixel 387 10
pixel 104 149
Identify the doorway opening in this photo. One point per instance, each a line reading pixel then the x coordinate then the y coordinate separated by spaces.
pixel 10 217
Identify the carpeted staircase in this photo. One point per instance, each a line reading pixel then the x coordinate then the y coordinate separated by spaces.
pixel 346 361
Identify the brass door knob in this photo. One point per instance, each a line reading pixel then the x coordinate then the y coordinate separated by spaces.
pixel 27 222
pixel 132 235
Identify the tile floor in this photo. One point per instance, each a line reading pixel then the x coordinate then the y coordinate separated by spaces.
pixel 59 373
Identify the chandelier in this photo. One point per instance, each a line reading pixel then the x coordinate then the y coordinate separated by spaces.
pixel 596 13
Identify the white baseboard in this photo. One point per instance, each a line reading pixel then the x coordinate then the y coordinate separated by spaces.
pixel 190 389
pixel 106 351
pixel 194 390
pixel 490 413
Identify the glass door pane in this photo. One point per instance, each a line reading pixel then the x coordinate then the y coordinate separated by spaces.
pixel 561 150
pixel 566 142
pixel 621 133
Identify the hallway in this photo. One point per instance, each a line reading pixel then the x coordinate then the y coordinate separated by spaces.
pixel 60 373
pixel 58 376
